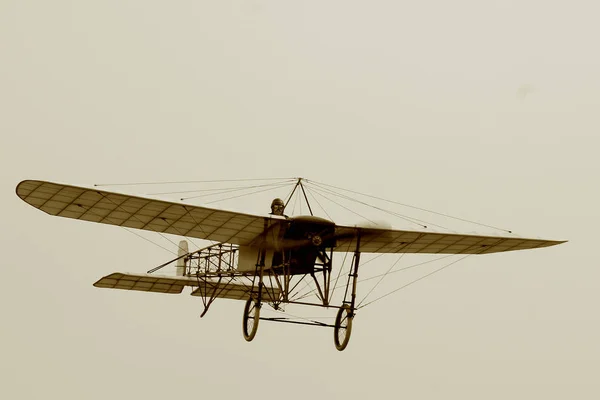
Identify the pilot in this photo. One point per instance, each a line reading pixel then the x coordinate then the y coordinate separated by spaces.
pixel 277 207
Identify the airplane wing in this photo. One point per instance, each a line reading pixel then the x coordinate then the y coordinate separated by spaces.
pixel 374 240
pixel 104 207
pixel 100 206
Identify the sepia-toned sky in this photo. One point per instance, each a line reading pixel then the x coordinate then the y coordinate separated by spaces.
pixel 483 110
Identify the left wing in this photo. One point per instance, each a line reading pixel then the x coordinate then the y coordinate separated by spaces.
pixel 144 213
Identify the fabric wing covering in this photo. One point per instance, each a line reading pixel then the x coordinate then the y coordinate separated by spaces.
pixel 399 241
pixel 175 285
pixel 244 229
pixel 141 213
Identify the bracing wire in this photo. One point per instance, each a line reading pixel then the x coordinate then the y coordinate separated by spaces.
pixel 414 207
pixel 231 190
pixel 148 240
pixel 224 190
pixel 383 276
pixel 160 233
pixel 186 182
pixel 318 203
pixel 296 316
pixel 344 207
pixel 132 232
pixel 287 198
pixel 404 217
pixel 416 280
pixel 294 205
pixel 320 189
pixel 248 194
pixel 404 268
pixel 335 286
pixel 341 268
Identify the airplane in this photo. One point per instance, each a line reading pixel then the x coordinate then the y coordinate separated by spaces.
pixel 254 258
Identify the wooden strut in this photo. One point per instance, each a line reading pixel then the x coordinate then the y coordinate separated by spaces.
pixel 354 276
pixel 260 267
pixel 299 184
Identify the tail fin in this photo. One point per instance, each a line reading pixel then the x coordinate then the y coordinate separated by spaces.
pixel 182 251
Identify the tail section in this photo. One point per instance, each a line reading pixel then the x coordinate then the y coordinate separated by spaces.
pixel 181 252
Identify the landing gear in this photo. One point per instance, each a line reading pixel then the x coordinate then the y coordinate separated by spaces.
pixel 343 321
pixel 343 327
pixel 251 318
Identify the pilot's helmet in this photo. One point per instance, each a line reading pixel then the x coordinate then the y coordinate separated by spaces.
pixel 277 207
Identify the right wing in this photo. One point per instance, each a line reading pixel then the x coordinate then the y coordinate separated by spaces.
pixel 374 240
pixel 144 213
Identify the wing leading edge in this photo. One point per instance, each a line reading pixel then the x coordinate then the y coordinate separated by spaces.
pixel 244 229
pixel 401 241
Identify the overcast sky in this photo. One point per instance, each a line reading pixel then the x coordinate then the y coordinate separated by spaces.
pixel 483 110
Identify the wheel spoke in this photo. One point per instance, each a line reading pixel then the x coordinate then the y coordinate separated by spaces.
pixel 343 327
pixel 250 320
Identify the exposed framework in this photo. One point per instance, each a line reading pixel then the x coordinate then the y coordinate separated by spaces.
pixel 304 252
pixel 214 268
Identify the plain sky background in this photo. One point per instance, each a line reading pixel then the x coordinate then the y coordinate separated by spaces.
pixel 483 110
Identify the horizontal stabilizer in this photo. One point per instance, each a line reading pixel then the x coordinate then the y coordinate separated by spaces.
pixel 146 283
pixel 205 287
pixel 235 291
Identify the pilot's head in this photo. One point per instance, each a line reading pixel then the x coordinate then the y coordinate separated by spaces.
pixel 277 207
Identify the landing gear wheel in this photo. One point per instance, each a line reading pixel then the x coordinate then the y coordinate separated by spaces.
pixel 343 327
pixel 251 318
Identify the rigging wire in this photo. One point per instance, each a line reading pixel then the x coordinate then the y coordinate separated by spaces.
pixel 307 284
pixel 287 198
pixel 335 286
pixel 88 210
pixel 383 276
pixel 186 182
pixel 248 194
pixel 139 220
pixel 404 217
pixel 148 240
pixel 212 242
pixel 294 205
pixel 346 208
pixel 296 316
pixel 219 189
pixel 414 281
pixel 394 213
pixel 416 208
pixel 199 225
pixel 231 190
pixel 318 188
pixel 318 203
pixel 341 268
pixel 408 267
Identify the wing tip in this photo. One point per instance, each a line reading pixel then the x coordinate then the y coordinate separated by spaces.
pixel 19 189
pixel 557 242
pixel 26 187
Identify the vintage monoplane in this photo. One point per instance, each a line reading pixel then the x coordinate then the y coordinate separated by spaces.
pixel 256 259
